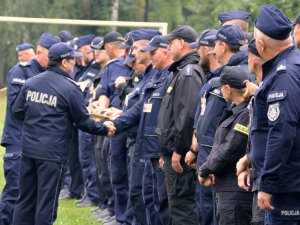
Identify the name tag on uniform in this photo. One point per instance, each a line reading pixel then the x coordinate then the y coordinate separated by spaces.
pixel 147 107
pixel 203 106
pixel 126 101
pixel 169 90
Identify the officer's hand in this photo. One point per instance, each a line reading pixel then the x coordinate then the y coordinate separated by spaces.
pixel 176 163
pixel 242 165
pixel 119 81
pixel 264 201
pixel 190 158
pixel 161 162
pixel 244 180
pixel 206 182
pixel 111 128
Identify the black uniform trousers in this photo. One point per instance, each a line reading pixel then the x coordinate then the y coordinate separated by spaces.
pixel 234 208
pixel 40 183
pixel 181 193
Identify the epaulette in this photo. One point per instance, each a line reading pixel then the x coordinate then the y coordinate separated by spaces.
pixel 188 70
pixel 24 64
pixel 281 67
pixel 217 92
pixel 111 61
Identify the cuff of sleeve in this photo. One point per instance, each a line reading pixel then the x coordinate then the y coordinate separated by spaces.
pixel 268 188
pixel 203 171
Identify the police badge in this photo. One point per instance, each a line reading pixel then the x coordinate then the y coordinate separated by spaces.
pixel 273 112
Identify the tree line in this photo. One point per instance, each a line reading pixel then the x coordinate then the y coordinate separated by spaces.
pixel 200 14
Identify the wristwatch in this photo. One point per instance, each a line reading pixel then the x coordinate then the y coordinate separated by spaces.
pixel 194 152
pixel 201 173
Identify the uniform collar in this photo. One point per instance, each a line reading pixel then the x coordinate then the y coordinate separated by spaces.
pixel 239 58
pixel 190 58
pixel 59 71
pixel 39 67
pixel 272 63
pixel 238 108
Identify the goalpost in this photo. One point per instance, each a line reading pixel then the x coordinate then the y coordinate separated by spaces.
pixel 163 27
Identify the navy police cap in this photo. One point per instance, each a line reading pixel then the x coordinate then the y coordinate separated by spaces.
pixel 250 47
pixel 84 40
pixel 65 36
pixel 230 34
pixel 128 42
pixel 205 39
pixel 272 22
pixel 97 43
pixel 184 32
pixel 24 46
pixel 297 20
pixel 156 42
pixel 233 15
pixel 112 36
pixel 47 40
pixel 62 51
pixel 143 34
pixel 233 76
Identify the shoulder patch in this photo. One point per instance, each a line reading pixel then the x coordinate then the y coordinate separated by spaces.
pixel 281 67
pixel 188 70
pixel 23 64
pixel 276 95
pixel 18 81
pixel 273 111
pixel 241 128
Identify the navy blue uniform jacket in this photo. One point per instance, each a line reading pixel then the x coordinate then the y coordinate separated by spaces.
pixel 49 104
pixel 16 78
pixel 275 131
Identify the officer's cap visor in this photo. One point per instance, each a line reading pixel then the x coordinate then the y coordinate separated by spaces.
pixel 149 48
pixel 76 54
pixel 194 45
pixel 124 46
pixel 215 82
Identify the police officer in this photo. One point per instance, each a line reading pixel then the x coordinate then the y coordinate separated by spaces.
pixel 25 52
pixel 255 63
pixel 175 124
pixel 275 129
pixel 233 203
pixel 12 132
pixel 85 140
pixel 296 32
pixel 228 41
pixel 109 97
pixel 144 113
pixel 45 137
pixel 209 111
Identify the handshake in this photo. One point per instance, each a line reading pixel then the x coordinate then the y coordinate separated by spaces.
pixel 111 128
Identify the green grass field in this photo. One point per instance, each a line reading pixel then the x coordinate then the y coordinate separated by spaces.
pixel 68 213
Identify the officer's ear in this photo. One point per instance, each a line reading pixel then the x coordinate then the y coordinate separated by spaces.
pixel 261 45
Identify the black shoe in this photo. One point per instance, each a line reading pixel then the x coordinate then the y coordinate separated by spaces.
pixel 68 196
pixel 87 203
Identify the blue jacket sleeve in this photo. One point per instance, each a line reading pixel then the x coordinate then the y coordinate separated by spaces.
pixel 283 121
pixel 80 116
pixel 18 108
pixel 14 82
pixel 130 118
